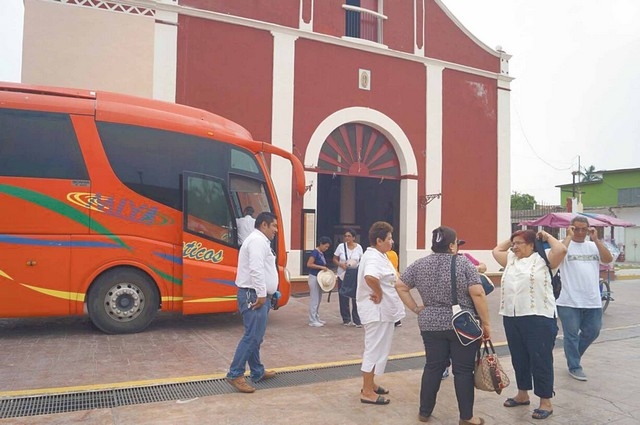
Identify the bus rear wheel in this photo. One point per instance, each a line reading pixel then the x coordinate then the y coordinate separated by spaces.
pixel 122 301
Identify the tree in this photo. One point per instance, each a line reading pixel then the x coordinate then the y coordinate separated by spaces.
pixel 590 174
pixel 522 201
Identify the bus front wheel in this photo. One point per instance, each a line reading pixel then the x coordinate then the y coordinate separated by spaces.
pixel 122 301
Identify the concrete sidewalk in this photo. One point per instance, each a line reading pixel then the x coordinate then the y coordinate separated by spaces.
pixel 610 396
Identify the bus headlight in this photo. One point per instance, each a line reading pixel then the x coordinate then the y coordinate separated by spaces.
pixel 287 275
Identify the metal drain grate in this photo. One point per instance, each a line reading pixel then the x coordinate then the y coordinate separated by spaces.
pixel 107 399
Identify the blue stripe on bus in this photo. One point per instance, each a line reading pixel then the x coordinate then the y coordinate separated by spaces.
pixel 169 257
pixel 63 243
pixel 221 281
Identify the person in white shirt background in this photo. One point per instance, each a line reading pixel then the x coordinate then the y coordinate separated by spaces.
pixel 245 224
pixel 580 303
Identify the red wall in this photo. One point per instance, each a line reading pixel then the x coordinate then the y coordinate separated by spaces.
pixel 444 40
pixel 281 12
pixel 469 158
pixel 398 28
pixel 228 70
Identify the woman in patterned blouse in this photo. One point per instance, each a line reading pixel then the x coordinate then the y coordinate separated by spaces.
pixel 431 276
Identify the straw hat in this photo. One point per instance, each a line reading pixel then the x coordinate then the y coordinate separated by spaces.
pixel 327 280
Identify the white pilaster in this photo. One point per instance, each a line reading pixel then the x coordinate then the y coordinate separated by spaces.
pixel 282 125
pixel 503 215
pixel 433 160
pixel 165 56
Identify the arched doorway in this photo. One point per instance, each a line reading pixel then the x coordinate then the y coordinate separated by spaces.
pixel 358 183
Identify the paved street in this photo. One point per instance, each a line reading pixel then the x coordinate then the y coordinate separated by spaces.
pixel 60 355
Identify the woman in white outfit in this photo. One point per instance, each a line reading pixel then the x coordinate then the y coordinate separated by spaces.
pixel 379 307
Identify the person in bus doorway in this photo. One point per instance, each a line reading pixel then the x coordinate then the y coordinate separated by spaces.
pixel 348 254
pixel 580 304
pixel 257 281
pixel 315 263
pixel 245 224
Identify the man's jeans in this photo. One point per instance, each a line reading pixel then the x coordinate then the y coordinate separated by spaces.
pixel 580 326
pixel 255 325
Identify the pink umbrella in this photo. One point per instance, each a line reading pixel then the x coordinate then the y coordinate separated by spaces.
pixel 610 220
pixel 560 220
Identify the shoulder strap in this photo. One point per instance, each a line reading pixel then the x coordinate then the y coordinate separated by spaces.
pixel 538 246
pixel 454 292
pixel 346 255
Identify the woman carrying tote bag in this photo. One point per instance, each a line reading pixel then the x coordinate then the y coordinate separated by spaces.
pixel 348 254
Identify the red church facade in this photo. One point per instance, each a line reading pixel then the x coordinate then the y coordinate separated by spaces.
pixel 397 112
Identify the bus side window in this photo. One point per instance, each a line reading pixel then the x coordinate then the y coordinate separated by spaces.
pixel 40 145
pixel 206 208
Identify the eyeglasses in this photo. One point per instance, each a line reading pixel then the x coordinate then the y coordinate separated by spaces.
pixel 348 236
pixel 580 229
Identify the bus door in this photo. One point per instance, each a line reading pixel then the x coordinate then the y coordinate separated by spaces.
pixel 209 248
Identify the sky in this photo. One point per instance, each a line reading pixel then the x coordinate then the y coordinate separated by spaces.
pixel 576 94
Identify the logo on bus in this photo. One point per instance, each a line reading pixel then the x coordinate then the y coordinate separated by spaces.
pixel 122 208
pixel 196 251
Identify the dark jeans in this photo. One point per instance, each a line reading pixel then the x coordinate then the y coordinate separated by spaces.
pixel 531 340
pixel 348 316
pixel 440 346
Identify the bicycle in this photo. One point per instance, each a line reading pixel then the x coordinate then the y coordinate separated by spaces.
pixel 605 294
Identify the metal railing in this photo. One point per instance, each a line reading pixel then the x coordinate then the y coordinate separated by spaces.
pixel 363 23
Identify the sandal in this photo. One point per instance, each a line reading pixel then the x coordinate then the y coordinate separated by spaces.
pixel 512 402
pixel 381 391
pixel 541 413
pixel 380 400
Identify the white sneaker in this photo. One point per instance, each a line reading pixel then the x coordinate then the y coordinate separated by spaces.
pixel 347 324
pixel 321 321
pixel 316 324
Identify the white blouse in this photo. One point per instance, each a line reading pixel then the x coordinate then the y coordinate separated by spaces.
pixel 353 254
pixel 525 288
pixel 390 309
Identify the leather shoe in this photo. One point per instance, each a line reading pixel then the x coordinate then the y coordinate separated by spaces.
pixel 463 422
pixel 268 374
pixel 241 384
pixel 423 418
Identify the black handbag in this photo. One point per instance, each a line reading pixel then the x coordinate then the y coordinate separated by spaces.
pixel 466 326
pixel 349 283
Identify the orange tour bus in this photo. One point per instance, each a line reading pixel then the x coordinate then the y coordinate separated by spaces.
pixel 120 207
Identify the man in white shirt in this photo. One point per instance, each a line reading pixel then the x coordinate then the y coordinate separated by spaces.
pixel 580 303
pixel 257 281
pixel 245 224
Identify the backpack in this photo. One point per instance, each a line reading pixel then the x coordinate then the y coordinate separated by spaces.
pixel 556 282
